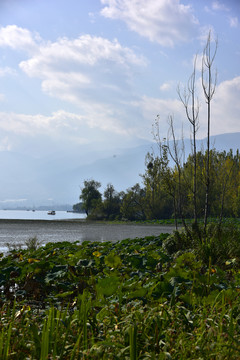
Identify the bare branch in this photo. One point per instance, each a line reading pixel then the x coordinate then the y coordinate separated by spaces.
pixel 208 83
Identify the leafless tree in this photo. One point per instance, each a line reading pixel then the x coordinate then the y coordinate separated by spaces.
pixel 191 104
pixel 209 87
pixel 177 154
pixel 167 172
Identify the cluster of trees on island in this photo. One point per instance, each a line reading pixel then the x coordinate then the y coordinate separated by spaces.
pixel 206 184
pixel 167 192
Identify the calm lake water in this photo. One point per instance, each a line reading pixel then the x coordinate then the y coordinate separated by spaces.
pixel 19 229
pixel 38 215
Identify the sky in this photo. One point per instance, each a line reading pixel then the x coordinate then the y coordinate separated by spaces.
pixel 95 74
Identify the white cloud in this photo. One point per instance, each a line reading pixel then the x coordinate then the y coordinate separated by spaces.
pixel 217 5
pixel 62 131
pixel 93 73
pixel 67 66
pixel 61 125
pixel 207 9
pixel 18 38
pixel 163 21
pixel 233 21
pixel 226 107
pixel 5 144
pixel 31 125
pixel 86 50
pixel 85 72
pixel 225 110
pixel 76 69
pixel 166 86
pixel 7 71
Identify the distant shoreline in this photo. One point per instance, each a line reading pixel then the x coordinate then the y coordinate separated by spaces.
pixel 40 220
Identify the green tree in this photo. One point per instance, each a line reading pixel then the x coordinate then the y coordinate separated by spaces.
pixel 225 179
pixel 90 196
pixel 158 204
pixel 111 203
pixel 133 203
pixel 78 207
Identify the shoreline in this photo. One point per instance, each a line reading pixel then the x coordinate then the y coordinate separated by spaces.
pixel 40 220
pixel 87 222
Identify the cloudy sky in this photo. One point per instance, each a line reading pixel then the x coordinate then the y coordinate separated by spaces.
pixel 81 73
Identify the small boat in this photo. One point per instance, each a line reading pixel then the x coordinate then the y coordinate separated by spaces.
pixel 52 212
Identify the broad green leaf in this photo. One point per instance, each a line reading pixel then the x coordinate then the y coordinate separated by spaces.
pixel 108 285
pixel 113 261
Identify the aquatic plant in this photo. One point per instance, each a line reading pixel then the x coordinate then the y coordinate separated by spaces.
pixel 126 300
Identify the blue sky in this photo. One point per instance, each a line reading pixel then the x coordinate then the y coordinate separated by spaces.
pixel 95 74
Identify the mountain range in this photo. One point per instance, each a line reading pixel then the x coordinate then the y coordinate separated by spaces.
pixel 57 178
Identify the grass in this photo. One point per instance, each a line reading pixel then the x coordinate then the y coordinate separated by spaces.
pixel 164 297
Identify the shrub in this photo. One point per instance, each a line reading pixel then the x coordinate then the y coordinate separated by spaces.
pixel 32 243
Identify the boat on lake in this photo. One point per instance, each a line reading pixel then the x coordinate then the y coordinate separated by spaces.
pixel 51 212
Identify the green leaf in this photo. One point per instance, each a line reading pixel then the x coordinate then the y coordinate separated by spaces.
pixel 103 314
pixel 65 294
pixel 112 260
pixel 108 286
pixel 139 293
pixel 58 272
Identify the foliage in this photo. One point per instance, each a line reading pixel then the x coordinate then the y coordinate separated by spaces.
pixel 78 207
pixel 133 204
pixel 111 203
pixel 32 243
pixel 90 195
pixel 134 299
pixel 159 197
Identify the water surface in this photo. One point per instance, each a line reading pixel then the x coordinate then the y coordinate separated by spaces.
pixel 18 231
pixel 38 215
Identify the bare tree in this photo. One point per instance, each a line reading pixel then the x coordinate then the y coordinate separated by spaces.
pixel 177 156
pixel 209 86
pixel 191 104
pixel 167 173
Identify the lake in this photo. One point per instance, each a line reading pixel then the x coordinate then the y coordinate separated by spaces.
pixel 38 215
pixel 60 228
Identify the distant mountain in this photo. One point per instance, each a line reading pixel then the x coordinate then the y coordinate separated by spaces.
pixel 57 179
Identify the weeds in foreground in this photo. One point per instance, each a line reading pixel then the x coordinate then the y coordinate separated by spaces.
pixel 33 243
pixel 133 299
pixel 30 244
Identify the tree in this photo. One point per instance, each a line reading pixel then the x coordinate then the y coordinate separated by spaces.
pixel 111 203
pixel 133 203
pixel 209 87
pixel 191 105
pixel 160 180
pixel 177 156
pixel 78 207
pixel 90 195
